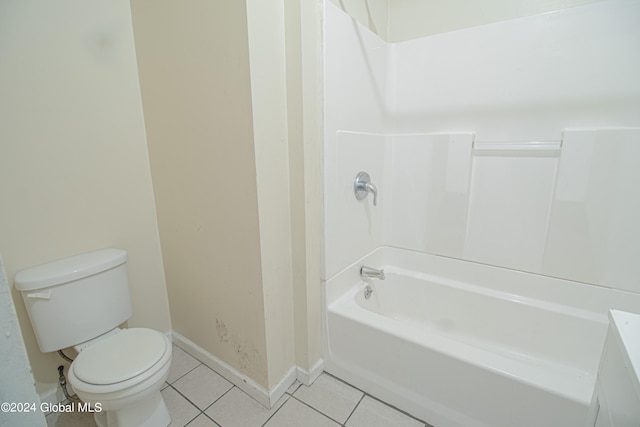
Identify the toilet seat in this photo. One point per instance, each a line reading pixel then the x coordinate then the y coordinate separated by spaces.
pixel 121 357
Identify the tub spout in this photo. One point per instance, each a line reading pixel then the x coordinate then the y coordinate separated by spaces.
pixel 372 272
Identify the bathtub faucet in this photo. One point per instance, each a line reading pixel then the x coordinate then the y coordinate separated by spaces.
pixel 371 272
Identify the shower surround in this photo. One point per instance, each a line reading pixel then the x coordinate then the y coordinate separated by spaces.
pixel 509 148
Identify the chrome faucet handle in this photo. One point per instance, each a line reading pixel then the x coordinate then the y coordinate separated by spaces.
pixel 363 186
pixel 372 189
pixel 372 272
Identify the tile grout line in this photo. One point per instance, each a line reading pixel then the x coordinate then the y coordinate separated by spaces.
pixel 196 406
pixel 186 373
pixel 426 424
pixel 399 410
pixel 212 403
pixel 187 399
pixel 354 408
pixel 205 415
pixel 343 382
pixel 317 410
pixel 221 396
pixel 291 395
pixel 276 411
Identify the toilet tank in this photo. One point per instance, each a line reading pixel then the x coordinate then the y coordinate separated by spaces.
pixel 73 300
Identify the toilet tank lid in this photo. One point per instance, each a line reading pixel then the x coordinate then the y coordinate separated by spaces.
pixel 69 269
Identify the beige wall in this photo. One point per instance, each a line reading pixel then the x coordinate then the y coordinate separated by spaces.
pixel 229 212
pixel 215 90
pixel 303 31
pixel 194 72
pixel 286 99
pixel 74 168
pixel 269 104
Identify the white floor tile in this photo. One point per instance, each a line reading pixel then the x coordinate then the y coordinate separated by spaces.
pixel 197 388
pixel 202 386
pixel 238 409
pixel 372 413
pixel 294 387
pixel 330 396
pixel 70 419
pixel 202 421
pixel 180 409
pixel 296 414
pixel 181 363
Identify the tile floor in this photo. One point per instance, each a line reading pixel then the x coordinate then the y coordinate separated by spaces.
pixel 198 397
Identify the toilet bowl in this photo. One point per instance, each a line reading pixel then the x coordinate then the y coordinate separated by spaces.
pixel 122 375
pixel 80 302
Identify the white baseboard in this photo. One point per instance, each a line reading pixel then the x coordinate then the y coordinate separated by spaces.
pixel 282 387
pixel 308 377
pixel 265 397
pixel 53 393
pixel 51 396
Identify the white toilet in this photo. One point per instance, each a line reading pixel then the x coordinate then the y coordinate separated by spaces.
pixel 79 302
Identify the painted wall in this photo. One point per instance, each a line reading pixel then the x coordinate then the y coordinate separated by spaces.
pixel 453 143
pixel 303 40
pixel 228 217
pixel 411 19
pixel 195 79
pixel 372 14
pixel 401 20
pixel 74 165
pixel 216 81
pixel 266 26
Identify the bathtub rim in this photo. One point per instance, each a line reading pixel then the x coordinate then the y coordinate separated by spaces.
pixel 591 298
pixel 583 297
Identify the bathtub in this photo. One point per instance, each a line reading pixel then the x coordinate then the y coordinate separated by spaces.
pixel 456 343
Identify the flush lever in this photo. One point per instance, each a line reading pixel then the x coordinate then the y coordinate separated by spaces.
pixel 39 295
pixel 363 186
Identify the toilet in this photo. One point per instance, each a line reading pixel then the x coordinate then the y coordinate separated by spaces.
pixel 80 302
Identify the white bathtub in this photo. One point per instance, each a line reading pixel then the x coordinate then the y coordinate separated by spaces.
pixel 462 344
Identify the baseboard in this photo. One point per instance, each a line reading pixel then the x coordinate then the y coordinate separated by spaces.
pixel 53 393
pixel 308 377
pixel 282 387
pixel 51 396
pixel 263 396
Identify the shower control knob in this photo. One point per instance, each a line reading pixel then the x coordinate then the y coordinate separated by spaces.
pixel 363 186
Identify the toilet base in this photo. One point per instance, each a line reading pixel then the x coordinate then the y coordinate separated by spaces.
pixel 152 412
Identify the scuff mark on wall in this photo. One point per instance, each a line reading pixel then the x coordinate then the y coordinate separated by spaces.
pixel 221 329
pixel 247 357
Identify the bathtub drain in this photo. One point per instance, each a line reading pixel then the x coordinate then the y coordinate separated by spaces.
pixel 367 292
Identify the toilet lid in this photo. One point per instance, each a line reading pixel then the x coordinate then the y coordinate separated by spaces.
pixel 120 357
